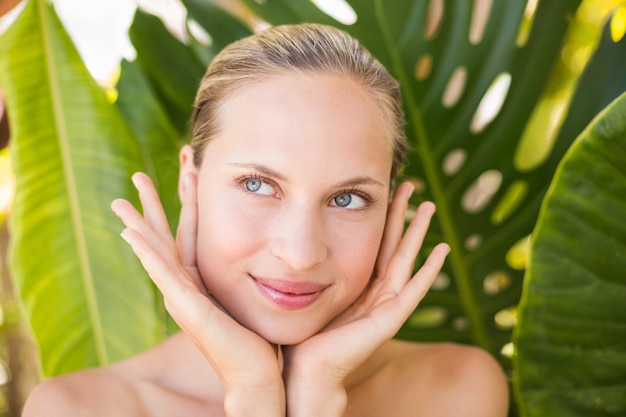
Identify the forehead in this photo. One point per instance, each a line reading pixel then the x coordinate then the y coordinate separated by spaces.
pixel 302 115
pixel 301 125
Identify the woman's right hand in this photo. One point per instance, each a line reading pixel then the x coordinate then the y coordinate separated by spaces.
pixel 246 364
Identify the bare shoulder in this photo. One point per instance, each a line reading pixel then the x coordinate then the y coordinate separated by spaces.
pixel 434 379
pixel 87 392
pixel 169 379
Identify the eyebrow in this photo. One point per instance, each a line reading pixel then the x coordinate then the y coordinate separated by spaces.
pixel 352 182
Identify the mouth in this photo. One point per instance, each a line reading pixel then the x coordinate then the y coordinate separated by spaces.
pixel 289 295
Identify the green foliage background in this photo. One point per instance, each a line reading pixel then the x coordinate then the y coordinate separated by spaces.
pixel 73 150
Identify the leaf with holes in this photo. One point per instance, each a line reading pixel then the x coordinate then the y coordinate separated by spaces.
pixel 86 296
pixel 471 73
pixel 571 339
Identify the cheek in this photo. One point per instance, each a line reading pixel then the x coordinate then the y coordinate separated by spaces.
pixel 356 251
pixel 226 235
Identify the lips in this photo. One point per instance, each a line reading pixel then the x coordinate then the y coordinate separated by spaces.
pixel 289 295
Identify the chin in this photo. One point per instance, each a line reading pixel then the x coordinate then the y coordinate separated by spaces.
pixel 286 335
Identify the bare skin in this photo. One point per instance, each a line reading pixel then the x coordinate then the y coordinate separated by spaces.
pixel 154 384
pixel 326 284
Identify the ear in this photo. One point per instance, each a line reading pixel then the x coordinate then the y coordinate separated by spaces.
pixel 187 166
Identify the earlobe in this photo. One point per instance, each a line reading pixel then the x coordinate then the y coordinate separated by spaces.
pixel 187 166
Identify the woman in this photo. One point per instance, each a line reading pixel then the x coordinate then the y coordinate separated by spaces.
pixel 291 270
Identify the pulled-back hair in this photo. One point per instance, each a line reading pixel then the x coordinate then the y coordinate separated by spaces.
pixel 303 48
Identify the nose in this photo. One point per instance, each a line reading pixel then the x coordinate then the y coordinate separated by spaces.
pixel 299 238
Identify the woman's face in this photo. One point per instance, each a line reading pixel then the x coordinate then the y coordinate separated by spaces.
pixel 292 199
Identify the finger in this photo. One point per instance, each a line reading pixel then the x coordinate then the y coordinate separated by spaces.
pixel 131 217
pixel 152 208
pixel 419 285
pixel 403 259
pixel 394 226
pixel 186 234
pixel 158 268
pixel 184 300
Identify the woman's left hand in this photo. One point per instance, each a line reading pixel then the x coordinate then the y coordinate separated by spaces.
pixel 315 369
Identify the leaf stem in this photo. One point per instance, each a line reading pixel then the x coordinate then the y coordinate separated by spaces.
pixel 70 182
pixel 461 274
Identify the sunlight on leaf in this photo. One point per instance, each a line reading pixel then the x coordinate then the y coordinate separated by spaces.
pixel 527 23
pixel 481 191
pixel 506 318
pixel 454 161
pixel 511 200
pixel 337 9
pixel 618 24
pixel 517 256
pixel 497 282
pixel 7 184
pixel 480 17
pixel 435 17
pixel 582 38
pixel 426 317
pixel 423 67
pixel 508 350
pixel 454 89
pixel 491 103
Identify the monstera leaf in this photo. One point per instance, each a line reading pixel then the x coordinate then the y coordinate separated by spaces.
pixel 472 74
pixel 571 338
pixel 87 298
pixel 471 78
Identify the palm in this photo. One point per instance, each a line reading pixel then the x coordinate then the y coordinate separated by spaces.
pixel 236 354
pixel 379 312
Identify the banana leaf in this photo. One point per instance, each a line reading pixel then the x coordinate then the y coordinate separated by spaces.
pixel 447 65
pixel 172 67
pixel 87 298
pixel 571 337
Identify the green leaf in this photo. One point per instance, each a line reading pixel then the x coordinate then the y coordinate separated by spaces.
pixel 571 338
pixel 279 12
pixel 157 137
pixel 446 66
pixel 160 143
pixel 172 67
pixel 86 296
pixel 219 24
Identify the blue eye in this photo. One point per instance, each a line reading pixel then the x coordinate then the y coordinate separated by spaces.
pixel 253 185
pixel 343 200
pixel 350 201
pixel 258 186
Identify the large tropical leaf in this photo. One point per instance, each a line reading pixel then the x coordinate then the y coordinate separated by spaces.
pixel 571 338
pixel 172 67
pixel 86 296
pixel 450 57
pixel 425 60
pixel 159 139
pixel 157 136
pixel 448 63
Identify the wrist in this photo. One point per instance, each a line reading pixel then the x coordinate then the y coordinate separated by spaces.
pixel 312 399
pixel 266 400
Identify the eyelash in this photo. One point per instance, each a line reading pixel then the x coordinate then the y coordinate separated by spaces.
pixel 368 199
pixel 253 177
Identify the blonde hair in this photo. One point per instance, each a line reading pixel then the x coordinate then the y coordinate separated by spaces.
pixel 303 48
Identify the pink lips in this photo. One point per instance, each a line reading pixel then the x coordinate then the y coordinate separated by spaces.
pixel 289 295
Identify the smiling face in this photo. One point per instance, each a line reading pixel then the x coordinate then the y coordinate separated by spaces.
pixel 292 199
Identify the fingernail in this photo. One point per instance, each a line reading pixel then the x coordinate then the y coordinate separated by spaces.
pixel 134 179
pixel 123 235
